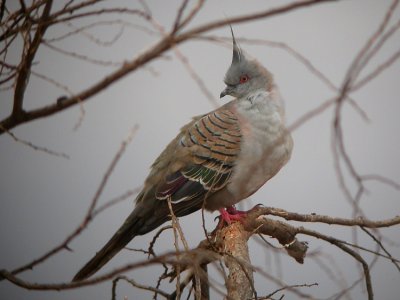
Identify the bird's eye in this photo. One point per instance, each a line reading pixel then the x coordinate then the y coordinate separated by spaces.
pixel 244 78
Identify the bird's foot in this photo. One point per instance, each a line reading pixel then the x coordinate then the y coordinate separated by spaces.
pixel 229 214
pixel 232 214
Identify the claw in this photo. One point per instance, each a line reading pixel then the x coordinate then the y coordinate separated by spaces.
pixel 259 205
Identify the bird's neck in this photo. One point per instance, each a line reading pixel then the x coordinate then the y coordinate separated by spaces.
pixel 265 101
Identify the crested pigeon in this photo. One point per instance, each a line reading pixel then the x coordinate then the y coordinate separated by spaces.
pixel 217 160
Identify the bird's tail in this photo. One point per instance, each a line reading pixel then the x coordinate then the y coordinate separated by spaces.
pixel 137 223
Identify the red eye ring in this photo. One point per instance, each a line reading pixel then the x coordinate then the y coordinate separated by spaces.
pixel 244 78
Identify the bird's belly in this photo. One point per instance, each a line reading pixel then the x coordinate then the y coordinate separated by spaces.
pixel 260 159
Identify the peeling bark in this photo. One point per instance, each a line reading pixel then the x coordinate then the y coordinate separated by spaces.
pixel 240 282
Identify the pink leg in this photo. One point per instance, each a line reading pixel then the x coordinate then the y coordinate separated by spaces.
pixel 231 214
pixel 233 211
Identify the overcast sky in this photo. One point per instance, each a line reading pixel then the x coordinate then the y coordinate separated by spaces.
pixel 44 197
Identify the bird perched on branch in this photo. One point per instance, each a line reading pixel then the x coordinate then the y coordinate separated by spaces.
pixel 217 160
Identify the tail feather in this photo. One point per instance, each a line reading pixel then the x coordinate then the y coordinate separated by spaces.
pixel 145 217
pixel 131 228
pixel 142 220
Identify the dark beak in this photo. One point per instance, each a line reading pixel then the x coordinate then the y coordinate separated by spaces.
pixel 225 92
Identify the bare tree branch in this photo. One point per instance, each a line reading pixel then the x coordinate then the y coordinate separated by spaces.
pixel 137 285
pixel 35 147
pixel 153 52
pixel 26 63
pixel 350 252
pixel 326 219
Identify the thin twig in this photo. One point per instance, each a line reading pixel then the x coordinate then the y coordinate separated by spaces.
pixel 82 57
pixel 114 201
pixel 389 256
pixel 354 254
pixel 179 15
pixel 155 237
pixel 121 23
pixel 378 70
pixel 35 147
pixel 139 286
pixel 290 286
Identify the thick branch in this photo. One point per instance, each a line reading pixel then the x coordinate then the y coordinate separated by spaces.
pixel 283 232
pixel 314 218
pixel 26 63
pixel 240 281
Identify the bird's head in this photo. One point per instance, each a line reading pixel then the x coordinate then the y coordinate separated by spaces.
pixel 245 75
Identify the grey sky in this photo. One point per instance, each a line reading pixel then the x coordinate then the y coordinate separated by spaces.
pixel 45 197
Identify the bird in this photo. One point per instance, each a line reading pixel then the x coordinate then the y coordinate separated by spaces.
pixel 216 160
